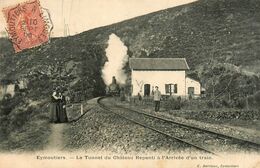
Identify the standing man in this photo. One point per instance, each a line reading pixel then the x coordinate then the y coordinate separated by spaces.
pixel 157 98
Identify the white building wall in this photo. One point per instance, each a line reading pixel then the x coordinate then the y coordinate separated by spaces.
pixel 158 78
pixel 193 83
pixel 7 89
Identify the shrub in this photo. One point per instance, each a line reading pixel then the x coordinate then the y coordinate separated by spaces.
pixel 9 103
pixel 19 117
pixel 257 96
pixel 240 103
pixel 3 129
pixel 254 100
pixel 172 104
pixel 226 103
pixel 194 104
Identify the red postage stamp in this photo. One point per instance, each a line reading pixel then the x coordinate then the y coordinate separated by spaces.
pixel 25 25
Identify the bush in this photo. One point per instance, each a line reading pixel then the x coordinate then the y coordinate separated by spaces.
pixel 25 128
pixel 240 103
pixel 254 100
pixel 3 129
pixel 9 103
pixel 226 103
pixel 257 97
pixel 194 104
pixel 214 104
pixel 19 117
pixel 172 104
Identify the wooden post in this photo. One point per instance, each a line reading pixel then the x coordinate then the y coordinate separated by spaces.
pixel 247 106
pixel 81 109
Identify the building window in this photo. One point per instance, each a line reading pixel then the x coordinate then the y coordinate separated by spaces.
pixel 171 88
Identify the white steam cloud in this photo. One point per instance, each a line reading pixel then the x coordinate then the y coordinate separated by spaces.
pixel 116 53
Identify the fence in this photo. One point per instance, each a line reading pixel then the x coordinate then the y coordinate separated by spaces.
pixel 75 110
pixel 168 102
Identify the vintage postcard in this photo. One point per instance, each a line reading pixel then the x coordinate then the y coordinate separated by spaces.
pixel 129 83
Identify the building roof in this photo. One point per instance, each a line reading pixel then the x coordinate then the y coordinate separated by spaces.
pixel 158 64
pixel 192 79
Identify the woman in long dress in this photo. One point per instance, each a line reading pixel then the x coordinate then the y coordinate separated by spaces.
pixel 62 114
pixel 53 107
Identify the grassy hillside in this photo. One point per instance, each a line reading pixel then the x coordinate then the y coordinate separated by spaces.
pixel 219 38
pixel 225 30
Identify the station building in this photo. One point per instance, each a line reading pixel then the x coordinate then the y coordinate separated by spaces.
pixel 169 74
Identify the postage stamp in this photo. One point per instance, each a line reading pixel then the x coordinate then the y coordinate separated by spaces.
pixel 26 25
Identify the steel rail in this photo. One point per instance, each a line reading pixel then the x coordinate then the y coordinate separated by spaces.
pixel 254 145
pixel 154 129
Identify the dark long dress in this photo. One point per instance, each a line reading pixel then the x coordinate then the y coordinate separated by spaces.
pixel 53 110
pixel 62 114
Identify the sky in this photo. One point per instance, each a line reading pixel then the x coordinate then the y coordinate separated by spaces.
pixel 83 15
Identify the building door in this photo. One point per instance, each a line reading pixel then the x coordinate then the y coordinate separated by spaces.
pixel 147 89
pixel 190 90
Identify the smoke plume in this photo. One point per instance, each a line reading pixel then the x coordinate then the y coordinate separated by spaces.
pixel 116 53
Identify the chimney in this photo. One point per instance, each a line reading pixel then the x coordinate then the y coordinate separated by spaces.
pixel 113 80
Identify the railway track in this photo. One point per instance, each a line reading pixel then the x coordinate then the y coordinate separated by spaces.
pixel 254 145
pixel 202 139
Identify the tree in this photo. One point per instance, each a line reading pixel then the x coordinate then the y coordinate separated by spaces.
pixel 215 75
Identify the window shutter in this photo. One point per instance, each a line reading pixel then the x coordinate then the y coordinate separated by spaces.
pixel 167 88
pixel 175 88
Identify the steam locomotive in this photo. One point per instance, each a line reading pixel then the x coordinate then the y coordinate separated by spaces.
pixel 113 89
